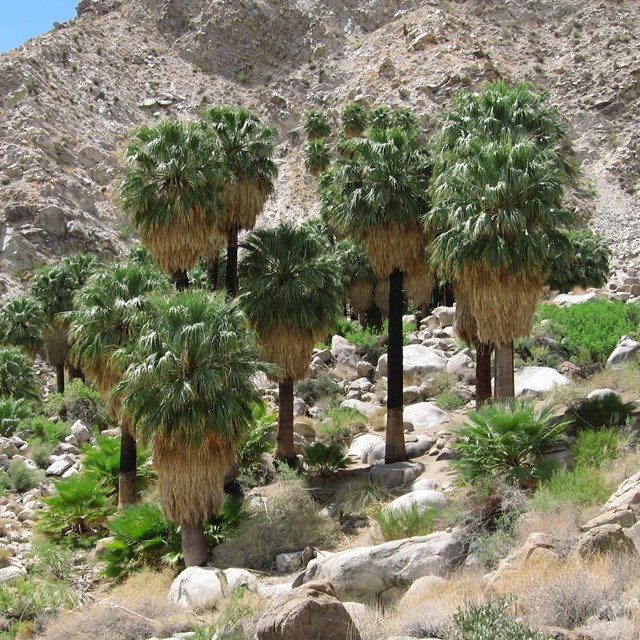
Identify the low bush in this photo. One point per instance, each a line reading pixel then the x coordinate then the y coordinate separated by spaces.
pixel 258 440
pixel 83 402
pixel 590 331
pixel 40 451
pixel 358 498
pixel 23 477
pixel 340 426
pixel 286 521
pixel 406 523
pixel 592 448
pixel 600 411
pixel 41 428
pixel 505 440
pixel 12 411
pixel 450 401
pixel 322 387
pixel 25 600
pixel 324 459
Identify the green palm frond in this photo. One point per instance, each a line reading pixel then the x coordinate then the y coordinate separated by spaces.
pixel 22 322
pixel 17 378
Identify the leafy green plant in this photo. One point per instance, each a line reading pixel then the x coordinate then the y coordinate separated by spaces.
pixel 592 448
pixel 341 425
pixel 83 402
pixel 324 459
pixel 600 411
pixel 12 411
pixel 17 377
pixel 590 331
pixel 27 599
pixel 40 451
pixel 258 440
pixel 490 621
pixel 405 523
pixel 360 497
pixel 23 477
pixel 78 509
pixel 321 387
pixel 505 439
pixel 449 400
pixel 354 119
pixel 46 430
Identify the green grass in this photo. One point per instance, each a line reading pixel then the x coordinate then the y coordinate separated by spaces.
pixel 406 523
pixel 592 448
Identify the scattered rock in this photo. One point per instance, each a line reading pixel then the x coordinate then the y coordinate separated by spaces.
pixel 604 539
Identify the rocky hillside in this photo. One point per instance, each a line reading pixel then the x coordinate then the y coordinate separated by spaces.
pixel 68 98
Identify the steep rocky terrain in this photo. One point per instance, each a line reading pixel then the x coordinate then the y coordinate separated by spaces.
pixel 68 98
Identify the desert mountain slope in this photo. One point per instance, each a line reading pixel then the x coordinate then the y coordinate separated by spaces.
pixel 68 98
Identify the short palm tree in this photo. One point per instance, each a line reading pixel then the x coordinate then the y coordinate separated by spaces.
pixel 315 124
pixel 292 296
pixel 54 287
pixel 354 119
pixel 501 169
pixel 188 391
pixel 17 378
pixel 358 276
pixel 109 310
pixel 376 194
pixel 22 323
pixel 170 192
pixel 245 147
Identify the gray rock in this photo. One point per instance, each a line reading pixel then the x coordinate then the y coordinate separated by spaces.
pixel 8 448
pixel 624 517
pixel 601 393
pixel 537 380
pixel 604 539
pixel 53 220
pixel 12 574
pixel 626 495
pixel 369 411
pixel 419 363
pixel 59 466
pixel 204 587
pixel 80 431
pixel 362 445
pixel 459 364
pixel 288 562
pixel 626 349
pixel 300 407
pixel 425 415
pixel 569 299
pixel 343 351
pixel 396 474
pixel 364 369
pixel 445 315
pixel 422 500
pixel 416 446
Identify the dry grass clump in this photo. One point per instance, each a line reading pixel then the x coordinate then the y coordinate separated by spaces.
pixel 288 520
pixel 372 623
pixel 137 610
pixel 563 523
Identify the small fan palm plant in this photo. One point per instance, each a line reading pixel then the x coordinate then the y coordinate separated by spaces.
pixel 506 440
pixel 17 378
pixel 22 323
pixel 315 124
pixel 317 156
pixel 354 119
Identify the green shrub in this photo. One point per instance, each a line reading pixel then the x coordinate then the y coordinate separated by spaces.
pixel 258 440
pixel 590 331
pixel 321 387
pixel 12 411
pixel 324 459
pixel 40 451
pixel 600 411
pixel 592 448
pixel 43 429
pixel 406 523
pixel 344 326
pixel 82 402
pixel 360 497
pixel 27 599
pixel 53 405
pixel 490 621
pixel 103 461
pixel 5 482
pixel 78 510
pixel 449 400
pixel 24 477
pixel 505 440
pixel 341 425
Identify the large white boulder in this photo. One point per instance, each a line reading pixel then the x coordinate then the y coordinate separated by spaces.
pixel 362 444
pixel 626 349
pixel 536 380
pixel 343 351
pixel 423 500
pixel 80 432
pixel 369 411
pixel 569 299
pixel 425 415
pixel 396 474
pixel 364 573
pixel 12 574
pixel 418 363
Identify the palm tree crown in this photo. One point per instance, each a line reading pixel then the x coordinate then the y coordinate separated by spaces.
pixel 22 322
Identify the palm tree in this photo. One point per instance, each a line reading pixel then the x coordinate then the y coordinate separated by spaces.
pixel 498 183
pixel 17 378
pixel 171 192
pixel 188 390
pixel 377 195
pixel 358 276
pixel 315 124
pixel 245 148
pixel 419 284
pixel 354 120
pixel 22 323
pixel 54 287
pixel 107 316
pixel 292 297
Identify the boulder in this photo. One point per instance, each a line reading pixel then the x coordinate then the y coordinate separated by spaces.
pixel 304 429
pixel 343 351
pixel 423 500
pixel 369 411
pixel 419 589
pixel 445 315
pixel 419 363
pixel 60 466
pixel 604 539
pixel 626 495
pixel 365 573
pixel 80 432
pixel 8 448
pixel 364 369
pixel 396 474
pixel 416 446
pixel 459 363
pixel 288 562
pixel 12 574
pixel 601 393
pixel 625 350
pixel 362 444
pixel 300 408
pixel 624 517
pixel 425 415
pixel 312 612
pixel 569 299
pixel 537 380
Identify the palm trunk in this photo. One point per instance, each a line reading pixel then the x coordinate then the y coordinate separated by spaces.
pixel 213 266
pixel 194 544
pixel 181 278
pixel 127 488
pixel 362 319
pixel 60 378
pixel 447 294
pixel 395 450
pixel 75 373
pixel 232 262
pixel 483 373
pixel 284 439
pixel 505 387
pixel 424 311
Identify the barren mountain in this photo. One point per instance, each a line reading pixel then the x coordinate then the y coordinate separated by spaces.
pixel 69 98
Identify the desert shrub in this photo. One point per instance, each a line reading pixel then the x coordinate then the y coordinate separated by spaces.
pixel 286 521
pixel 322 387
pixel 540 352
pixel 27 599
pixel 5 481
pixel 600 411
pixel 490 621
pixel 340 426
pixel 344 326
pixel 78 510
pixel 83 402
pixel 359 497
pixel 23 477
pixel 52 561
pixel 12 411
pixel 505 440
pixel 449 400
pixel 103 461
pixel 40 451
pixel 590 331
pixel 324 459
pixel 406 523
pixel 41 428
pixel 53 405
pixel 592 448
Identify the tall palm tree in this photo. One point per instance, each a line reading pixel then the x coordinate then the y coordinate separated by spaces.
pixel 500 201
pixel 245 147
pixel 188 390
pixel 292 296
pixel 107 316
pixel 22 323
pixel 376 193
pixel 171 192
pixel 54 287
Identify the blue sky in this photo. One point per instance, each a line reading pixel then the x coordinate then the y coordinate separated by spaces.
pixel 24 19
